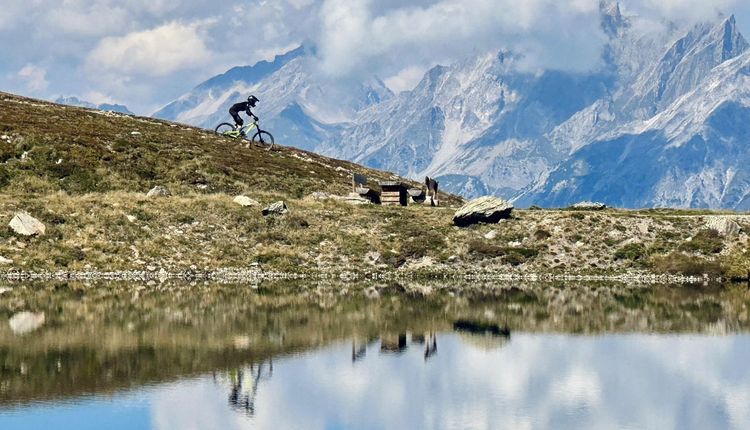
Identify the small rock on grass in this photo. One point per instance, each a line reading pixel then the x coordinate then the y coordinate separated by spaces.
pixel 5 261
pixel 245 201
pixel 158 191
pixel 278 208
pixel 491 235
pixel 26 225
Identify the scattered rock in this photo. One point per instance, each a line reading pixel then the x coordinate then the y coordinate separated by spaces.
pixel 278 208
pixel 4 261
pixel 131 218
pixel 135 133
pixel 491 235
pixel 489 210
pixel 589 206
pixel 321 196
pixel 26 322
pixel 158 191
pixel 725 226
pixel 245 201
pixel 26 225
pixel 356 199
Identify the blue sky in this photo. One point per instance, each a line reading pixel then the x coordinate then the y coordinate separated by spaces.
pixel 145 53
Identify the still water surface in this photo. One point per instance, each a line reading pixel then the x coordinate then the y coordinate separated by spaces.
pixel 666 360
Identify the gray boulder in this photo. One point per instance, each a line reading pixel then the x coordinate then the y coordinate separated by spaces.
pixel 589 206
pixel 5 261
pixel 725 226
pixel 488 210
pixel 278 208
pixel 26 225
pixel 158 191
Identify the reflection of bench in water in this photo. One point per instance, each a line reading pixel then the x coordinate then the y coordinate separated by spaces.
pixel 393 344
pixel 429 340
pixel 475 327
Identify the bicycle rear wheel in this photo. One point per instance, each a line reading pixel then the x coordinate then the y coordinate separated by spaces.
pixel 224 129
pixel 264 139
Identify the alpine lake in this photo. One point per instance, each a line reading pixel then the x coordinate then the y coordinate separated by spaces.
pixel 332 355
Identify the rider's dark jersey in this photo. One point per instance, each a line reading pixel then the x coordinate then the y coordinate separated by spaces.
pixel 240 107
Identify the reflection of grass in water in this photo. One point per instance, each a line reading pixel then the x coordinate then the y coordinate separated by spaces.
pixel 631 301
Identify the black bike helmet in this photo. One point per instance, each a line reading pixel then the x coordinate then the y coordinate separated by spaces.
pixel 252 100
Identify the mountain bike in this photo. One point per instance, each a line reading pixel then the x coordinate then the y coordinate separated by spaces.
pixel 261 138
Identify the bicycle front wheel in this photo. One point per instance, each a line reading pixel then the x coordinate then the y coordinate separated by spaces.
pixel 224 129
pixel 264 139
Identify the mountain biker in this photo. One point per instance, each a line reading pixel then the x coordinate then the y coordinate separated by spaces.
pixel 243 107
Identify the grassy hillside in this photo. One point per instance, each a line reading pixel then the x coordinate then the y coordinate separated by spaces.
pixel 49 148
pixel 85 173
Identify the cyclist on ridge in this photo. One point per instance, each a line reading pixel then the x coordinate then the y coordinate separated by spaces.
pixel 243 107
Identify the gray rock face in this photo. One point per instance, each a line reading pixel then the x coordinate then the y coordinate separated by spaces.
pixel 589 206
pixel 245 201
pixel 724 225
pixel 26 225
pixel 26 322
pixel 278 208
pixel 158 191
pixel 488 210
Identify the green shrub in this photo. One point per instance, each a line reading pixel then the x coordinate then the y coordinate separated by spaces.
pixel 421 245
pixel 706 242
pixel 631 252
pixel 680 264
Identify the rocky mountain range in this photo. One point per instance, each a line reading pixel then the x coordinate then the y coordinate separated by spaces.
pixel 663 121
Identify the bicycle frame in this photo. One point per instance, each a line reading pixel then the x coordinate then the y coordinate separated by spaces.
pixel 247 128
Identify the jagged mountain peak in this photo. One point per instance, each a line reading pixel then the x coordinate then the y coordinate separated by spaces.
pixel 613 21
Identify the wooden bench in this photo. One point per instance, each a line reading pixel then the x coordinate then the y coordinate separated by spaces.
pixel 360 186
pixel 394 194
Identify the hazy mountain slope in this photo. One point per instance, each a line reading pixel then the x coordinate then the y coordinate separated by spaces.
pixel 298 105
pixel 75 101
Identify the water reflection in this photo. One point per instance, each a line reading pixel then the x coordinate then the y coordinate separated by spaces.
pixel 244 383
pixel 283 357
pixel 531 381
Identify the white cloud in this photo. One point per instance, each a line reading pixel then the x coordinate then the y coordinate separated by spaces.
pixel 406 79
pixel 158 52
pixel 34 78
pixel 97 19
pixel 684 10
pixel 354 35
